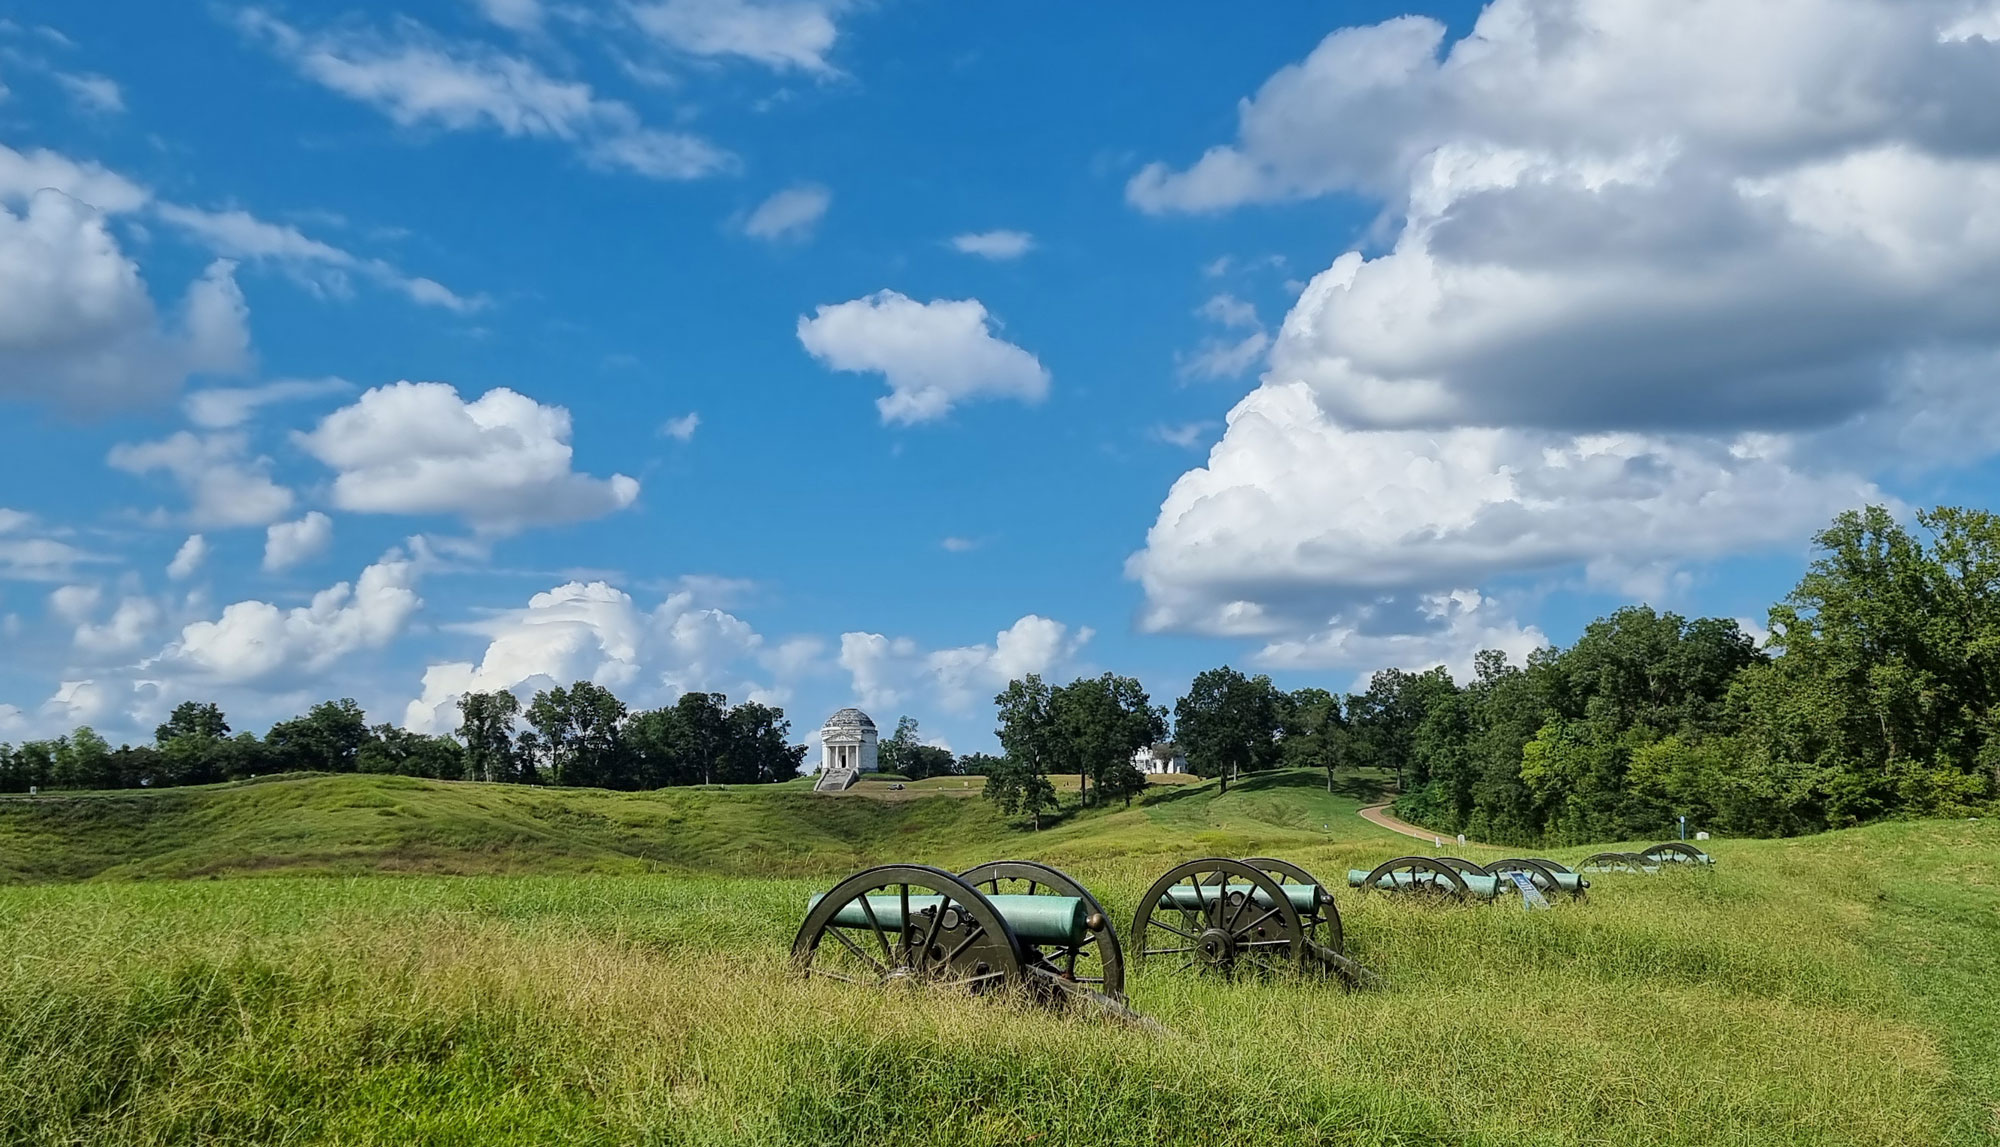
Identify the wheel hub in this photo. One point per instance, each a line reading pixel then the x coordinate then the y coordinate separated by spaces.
pixel 1216 948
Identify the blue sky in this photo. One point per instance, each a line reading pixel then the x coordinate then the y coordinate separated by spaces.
pixel 834 353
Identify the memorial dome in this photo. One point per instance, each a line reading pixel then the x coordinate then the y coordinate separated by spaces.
pixel 850 719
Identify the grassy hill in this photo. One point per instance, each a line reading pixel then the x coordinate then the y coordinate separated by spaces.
pixel 620 977
pixel 351 824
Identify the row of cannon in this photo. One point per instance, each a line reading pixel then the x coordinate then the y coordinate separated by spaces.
pixel 1019 925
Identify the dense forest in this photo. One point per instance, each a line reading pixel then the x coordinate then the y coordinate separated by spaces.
pixel 1876 695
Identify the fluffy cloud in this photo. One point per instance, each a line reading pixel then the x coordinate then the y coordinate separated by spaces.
pixel 996 245
pixel 286 544
pixel 24 173
pixel 419 80
pixel 1662 284
pixel 785 34
pixel 595 632
pixel 1297 518
pixel 188 558
pixel 225 486
pixel 128 627
pixel 790 214
pixel 502 462
pixel 240 235
pixel 77 325
pixel 1619 217
pixel 258 641
pixel 933 355
pixel 885 671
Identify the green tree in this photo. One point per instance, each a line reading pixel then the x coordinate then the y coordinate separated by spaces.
pixel 192 719
pixel 1314 732
pixel 1228 724
pixel 486 726
pixel 1019 790
pixel 390 749
pixel 328 738
pixel 1098 723
pixel 577 734
pixel 756 749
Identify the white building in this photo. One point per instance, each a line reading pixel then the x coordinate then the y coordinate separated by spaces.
pixel 1164 757
pixel 846 749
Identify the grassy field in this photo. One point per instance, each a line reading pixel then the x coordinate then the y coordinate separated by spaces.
pixel 1842 989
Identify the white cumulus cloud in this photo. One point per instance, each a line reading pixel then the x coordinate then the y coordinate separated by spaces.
pixel 286 544
pixel 595 632
pixel 501 462
pixel 1663 284
pixel 224 484
pixel 888 671
pixel 933 355
pixel 259 641
pixel 77 325
pixel 188 558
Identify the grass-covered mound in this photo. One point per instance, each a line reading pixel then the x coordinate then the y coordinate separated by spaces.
pixel 1838 989
pixel 350 824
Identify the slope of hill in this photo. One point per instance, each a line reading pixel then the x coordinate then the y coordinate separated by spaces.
pixel 357 823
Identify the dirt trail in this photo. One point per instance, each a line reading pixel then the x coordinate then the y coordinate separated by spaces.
pixel 1377 814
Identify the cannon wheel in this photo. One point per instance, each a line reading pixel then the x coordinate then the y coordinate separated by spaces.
pixel 1464 865
pixel 1227 930
pixel 1428 877
pixel 962 943
pixel 1675 852
pixel 1098 960
pixel 1551 865
pixel 1323 926
pixel 1612 862
pixel 1539 875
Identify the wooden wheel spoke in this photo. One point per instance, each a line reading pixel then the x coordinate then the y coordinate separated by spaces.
pixel 881 936
pixel 903 936
pixel 1166 951
pixel 937 921
pixel 977 931
pixel 1254 923
pixel 1176 931
pixel 872 962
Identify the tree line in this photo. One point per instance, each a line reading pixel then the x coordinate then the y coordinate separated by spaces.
pixel 1877 694
pixel 582 735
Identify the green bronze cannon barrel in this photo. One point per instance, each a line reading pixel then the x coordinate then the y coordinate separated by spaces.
pixel 1035 919
pixel 1476 886
pixel 1304 897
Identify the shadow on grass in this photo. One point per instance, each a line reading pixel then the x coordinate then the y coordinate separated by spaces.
pixel 1365 787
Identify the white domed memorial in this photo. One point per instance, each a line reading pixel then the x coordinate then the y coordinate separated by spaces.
pixel 846 750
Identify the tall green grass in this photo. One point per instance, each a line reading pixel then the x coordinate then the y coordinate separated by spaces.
pixel 1833 990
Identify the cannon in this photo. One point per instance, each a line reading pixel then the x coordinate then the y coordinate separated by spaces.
pixel 1617 862
pixel 1428 877
pixel 1547 876
pixel 913 923
pixel 1224 916
pixel 1676 852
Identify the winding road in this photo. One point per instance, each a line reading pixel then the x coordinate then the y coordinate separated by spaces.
pixel 1377 814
